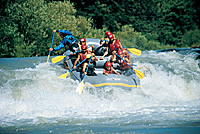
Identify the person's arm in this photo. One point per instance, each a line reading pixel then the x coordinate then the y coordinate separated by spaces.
pixel 79 45
pixel 120 45
pixel 104 72
pixel 102 41
pixel 106 52
pixel 94 58
pixel 127 60
pixel 115 71
pixel 76 61
pixel 60 46
pixel 63 32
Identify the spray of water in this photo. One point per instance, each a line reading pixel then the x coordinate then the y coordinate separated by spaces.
pixel 36 94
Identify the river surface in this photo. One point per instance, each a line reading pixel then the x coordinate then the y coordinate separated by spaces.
pixel 34 100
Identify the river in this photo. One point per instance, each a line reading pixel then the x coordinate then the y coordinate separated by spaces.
pixel 34 100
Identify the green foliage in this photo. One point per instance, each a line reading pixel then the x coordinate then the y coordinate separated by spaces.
pixel 28 31
pixel 130 38
pixel 27 25
pixel 162 20
pixel 191 38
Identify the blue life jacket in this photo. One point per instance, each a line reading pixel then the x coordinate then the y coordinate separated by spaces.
pixel 70 40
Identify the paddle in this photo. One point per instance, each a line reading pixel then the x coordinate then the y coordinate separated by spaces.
pixel 50 47
pixel 59 58
pixel 80 86
pixel 135 51
pixel 65 75
pixel 137 72
pixel 139 66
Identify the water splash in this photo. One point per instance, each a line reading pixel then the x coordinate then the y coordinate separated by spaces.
pixel 36 95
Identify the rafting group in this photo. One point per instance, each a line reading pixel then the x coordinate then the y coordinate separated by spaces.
pixel 85 55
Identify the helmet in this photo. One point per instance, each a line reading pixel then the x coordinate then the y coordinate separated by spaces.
pixel 117 45
pixel 120 52
pixel 108 33
pixel 108 64
pixel 82 39
pixel 83 47
pixel 117 40
pixel 88 56
pixel 111 36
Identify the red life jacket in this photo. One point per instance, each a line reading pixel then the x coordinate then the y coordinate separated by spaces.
pixel 112 47
pixel 117 41
pixel 109 71
pixel 123 65
pixel 83 56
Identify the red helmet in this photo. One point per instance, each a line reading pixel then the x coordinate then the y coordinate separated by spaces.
pixel 108 64
pixel 82 39
pixel 108 33
pixel 83 47
pixel 117 45
pixel 117 40
pixel 111 36
pixel 120 52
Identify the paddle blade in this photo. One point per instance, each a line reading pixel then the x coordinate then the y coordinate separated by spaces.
pixel 135 51
pixel 139 74
pixel 63 75
pixel 57 59
pixel 79 89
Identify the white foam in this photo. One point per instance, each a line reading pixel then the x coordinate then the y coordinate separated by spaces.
pixel 35 95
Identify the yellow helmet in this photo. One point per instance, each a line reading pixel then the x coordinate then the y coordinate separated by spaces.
pixel 88 56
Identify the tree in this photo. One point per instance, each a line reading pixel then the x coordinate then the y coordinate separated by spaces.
pixel 29 25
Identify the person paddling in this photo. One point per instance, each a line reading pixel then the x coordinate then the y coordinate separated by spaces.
pixel 81 55
pixel 104 41
pixel 123 65
pixel 108 69
pixel 91 66
pixel 68 40
pixel 118 47
pixel 110 50
pixel 82 42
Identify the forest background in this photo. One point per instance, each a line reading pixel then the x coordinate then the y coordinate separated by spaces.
pixel 27 25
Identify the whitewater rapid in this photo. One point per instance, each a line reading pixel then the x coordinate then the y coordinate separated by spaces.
pixel 33 94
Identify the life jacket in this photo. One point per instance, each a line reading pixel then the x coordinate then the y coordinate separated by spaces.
pixel 109 71
pixel 123 65
pixel 71 40
pixel 83 56
pixel 112 47
pixel 117 40
pixel 79 45
pixel 106 40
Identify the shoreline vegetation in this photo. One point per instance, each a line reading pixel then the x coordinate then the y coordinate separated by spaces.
pixel 27 25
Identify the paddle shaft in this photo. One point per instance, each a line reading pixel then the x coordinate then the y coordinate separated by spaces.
pixel 51 47
pixel 80 86
pixel 87 68
pixel 124 60
pixel 137 72
pixel 78 64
